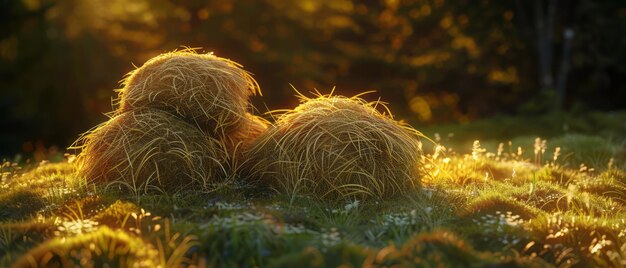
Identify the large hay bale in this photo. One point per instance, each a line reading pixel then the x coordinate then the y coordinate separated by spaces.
pixel 203 89
pixel 147 150
pixel 336 148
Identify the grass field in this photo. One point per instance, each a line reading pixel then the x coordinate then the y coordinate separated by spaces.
pixel 509 199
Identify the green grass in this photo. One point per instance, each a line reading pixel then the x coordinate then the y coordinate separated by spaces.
pixel 476 208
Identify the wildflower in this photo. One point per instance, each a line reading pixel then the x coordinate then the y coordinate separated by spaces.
pixel 500 150
pixel 77 227
pixel 350 206
pixel 557 153
pixel 439 149
pixel 540 149
pixel 329 238
pixel 537 145
pixel 477 150
pixel 583 168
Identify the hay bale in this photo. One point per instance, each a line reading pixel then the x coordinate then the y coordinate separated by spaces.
pixel 147 150
pixel 203 89
pixel 336 148
pixel 238 141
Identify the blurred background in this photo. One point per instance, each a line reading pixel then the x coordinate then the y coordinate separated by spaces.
pixel 434 61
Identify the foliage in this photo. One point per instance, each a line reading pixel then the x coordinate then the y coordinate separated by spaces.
pixel 435 60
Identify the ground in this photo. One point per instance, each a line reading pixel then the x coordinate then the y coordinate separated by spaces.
pixel 508 199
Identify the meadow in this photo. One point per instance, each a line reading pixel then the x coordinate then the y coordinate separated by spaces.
pixel 184 162
pixel 503 192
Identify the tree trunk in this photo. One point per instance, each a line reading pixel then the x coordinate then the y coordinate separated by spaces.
pixel 568 35
pixel 544 28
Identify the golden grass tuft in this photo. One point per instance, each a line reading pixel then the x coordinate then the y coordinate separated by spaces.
pixel 203 89
pixel 336 148
pixel 103 248
pixel 145 150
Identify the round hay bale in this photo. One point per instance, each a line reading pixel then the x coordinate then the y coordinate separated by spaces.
pixel 149 150
pixel 336 148
pixel 203 89
pixel 239 140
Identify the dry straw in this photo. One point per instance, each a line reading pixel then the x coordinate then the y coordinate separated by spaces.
pixel 203 89
pixel 148 150
pixel 336 148
pixel 238 141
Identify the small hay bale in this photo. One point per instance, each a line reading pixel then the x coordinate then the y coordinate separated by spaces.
pixel 147 150
pixel 239 140
pixel 203 89
pixel 336 148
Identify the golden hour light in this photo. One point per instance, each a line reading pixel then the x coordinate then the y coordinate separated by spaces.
pixel 276 133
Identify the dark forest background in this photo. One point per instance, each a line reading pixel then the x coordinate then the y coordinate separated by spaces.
pixel 435 61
